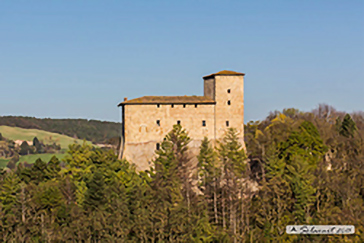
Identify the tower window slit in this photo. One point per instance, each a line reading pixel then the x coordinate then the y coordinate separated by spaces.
pixel 227 123
pixel 158 122
pixel 229 103
pixel 157 146
pixel 179 122
pixel 204 123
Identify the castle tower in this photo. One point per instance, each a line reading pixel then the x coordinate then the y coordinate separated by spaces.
pixel 227 89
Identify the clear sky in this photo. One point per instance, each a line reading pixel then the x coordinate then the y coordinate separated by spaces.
pixel 79 59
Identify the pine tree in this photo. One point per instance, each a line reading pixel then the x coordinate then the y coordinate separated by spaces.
pixel 348 127
pixel 24 148
pixel 209 174
pixel 232 157
pixel 95 195
pixel 53 168
pixel 37 145
pixel 172 201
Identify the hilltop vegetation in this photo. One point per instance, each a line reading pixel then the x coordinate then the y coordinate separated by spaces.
pixel 19 145
pixel 91 130
pixel 16 133
pixel 300 168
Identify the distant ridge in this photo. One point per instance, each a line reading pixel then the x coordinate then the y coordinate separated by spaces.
pixel 91 130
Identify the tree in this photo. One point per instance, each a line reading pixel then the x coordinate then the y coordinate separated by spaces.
pixel 39 148
pixel 53 168
pixel 171 215
pixel 232 158
pixel 24 148
pixel 95 194
pixel 209 173
pixel 348 127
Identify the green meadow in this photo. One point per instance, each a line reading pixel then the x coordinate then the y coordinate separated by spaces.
pixel 16 133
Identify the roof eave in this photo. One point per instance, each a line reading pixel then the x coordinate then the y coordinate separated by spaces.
pixel 168 103
pixel 213 75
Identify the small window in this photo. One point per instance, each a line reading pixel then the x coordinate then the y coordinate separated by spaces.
pixel 229 103
pixel 157 146
pixel 158 122
pixel 179 122
pixel 228 91
pixel 184 105
pixel 172 105
pixel 227 123
pixel 195 105
pixel 204 123
pixel 158 105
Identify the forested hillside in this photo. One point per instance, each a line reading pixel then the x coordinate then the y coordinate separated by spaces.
pixel 299 168
pixel 91 130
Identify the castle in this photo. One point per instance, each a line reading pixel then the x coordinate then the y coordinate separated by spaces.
pixel 146 120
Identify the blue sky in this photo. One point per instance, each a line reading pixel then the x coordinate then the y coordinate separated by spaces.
pixel 79 59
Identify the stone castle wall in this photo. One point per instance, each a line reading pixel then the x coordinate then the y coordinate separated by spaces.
pixel 142 133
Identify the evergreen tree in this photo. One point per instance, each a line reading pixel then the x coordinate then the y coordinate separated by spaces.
pixel 233 177
pixel 348 127
pixel 209 174
pixel 95 195
pixel 171 214
pixel 37 145
pixel 38 171
pixel 53 168
pixel 24 148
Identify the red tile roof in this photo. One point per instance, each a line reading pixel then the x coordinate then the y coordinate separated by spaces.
pixel 224 72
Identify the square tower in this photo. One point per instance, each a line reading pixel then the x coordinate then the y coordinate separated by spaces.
pixel 227 89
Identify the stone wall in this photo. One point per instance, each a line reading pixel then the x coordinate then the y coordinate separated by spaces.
pixel 142 132
pixel 233 113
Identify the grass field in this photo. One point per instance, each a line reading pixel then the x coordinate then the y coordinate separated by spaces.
pixel 3 162
pixel 16 133
pixel 30 159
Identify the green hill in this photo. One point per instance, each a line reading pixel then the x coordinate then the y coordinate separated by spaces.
pixel 16 133
pixel 91 130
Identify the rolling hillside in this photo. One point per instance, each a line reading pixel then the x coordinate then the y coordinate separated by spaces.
pixel 91 130
pixel 16 133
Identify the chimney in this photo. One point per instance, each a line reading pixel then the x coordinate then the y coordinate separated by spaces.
pixel 125 99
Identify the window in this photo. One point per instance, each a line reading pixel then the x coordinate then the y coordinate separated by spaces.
pixel 179 122
pixel 227 123
pixel 184 105
pixel 172 105
pixel 229 103
pixel 157 146
pixel 158 105
pixel 195 105
pixel 228 91
pixel 158 122
pixel 204 123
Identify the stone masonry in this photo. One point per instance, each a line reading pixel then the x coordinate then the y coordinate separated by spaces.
pixel 146 120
